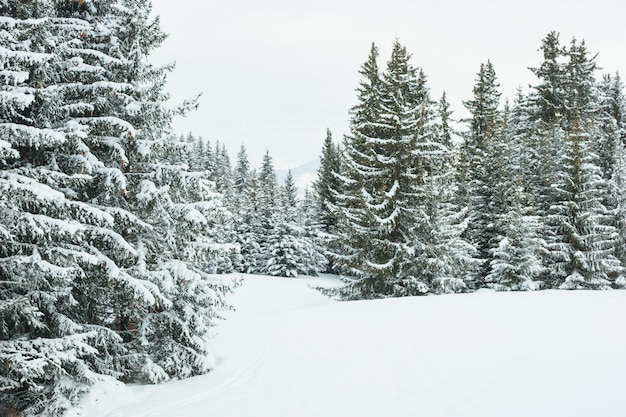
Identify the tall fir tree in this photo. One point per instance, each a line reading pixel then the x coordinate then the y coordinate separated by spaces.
pixel 387 162
pixel 446 259
pixel 581 241
pixel 327 187
pixel 574 140
pixel 268 202
pixel 477 161
pixel 515 262
pixel 327 184
pixel 349 207
pixel 244 205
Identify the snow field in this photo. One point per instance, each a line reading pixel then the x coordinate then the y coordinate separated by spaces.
pixel 288 351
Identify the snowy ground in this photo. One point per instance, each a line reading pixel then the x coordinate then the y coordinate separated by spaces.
pixel 289 352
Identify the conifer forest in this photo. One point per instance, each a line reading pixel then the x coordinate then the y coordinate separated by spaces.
pixel 119 237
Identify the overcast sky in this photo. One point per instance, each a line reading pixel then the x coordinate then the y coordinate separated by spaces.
pixel 275 74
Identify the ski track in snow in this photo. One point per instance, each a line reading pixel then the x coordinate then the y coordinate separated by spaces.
pixel 288 351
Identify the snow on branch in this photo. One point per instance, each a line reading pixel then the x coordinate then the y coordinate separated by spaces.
pixel 29 137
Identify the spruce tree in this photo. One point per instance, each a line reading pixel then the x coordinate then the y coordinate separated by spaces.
pixel 312 230
pixel 64 263
pixel 268 200
pixel 576 138
pixel 581 242
pixel 243 204
pixel 82 264
pixel 515 262
pixel 327 187
pixel 446 259
pixel 548 95
pixel 478 160
pixel 386 162
pixel 327 184
pixel 612 160
pixel 284 248
pixel 351 241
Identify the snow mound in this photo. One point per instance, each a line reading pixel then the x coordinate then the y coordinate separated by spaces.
pixel 288 351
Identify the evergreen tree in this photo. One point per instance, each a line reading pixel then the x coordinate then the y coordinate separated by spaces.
pixel 243 204
pixel 351 241
pixel 292 250
pixel 444 130
pixel 386 163
pixel 289 197
pixel 609 143
pixel 515 251
pixel 581 241
pixel 612 153
pixel 81 265
pixel 446 260
pixel 577 148
pixel 222 170
pixel 191 227
pixel 268 201
pixel 197 149
pixel 327 187
pixel 327 184
pixel 515 263
pixel 57 250
pixel 284 248
pixel 313 232
pixel 478 160
pixel 549 93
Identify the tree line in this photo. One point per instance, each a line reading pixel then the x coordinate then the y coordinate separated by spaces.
pixel 530 197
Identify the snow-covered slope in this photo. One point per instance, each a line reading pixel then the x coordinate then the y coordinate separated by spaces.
pixel 289 352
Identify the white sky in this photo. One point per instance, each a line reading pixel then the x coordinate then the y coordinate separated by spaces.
pixel 276 73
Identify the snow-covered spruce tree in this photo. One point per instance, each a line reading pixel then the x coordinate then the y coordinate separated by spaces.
pixel 516 264
pixel 326 187
pixel 516 249
pixel 619 218
pixel 581 242
pixel 64 264
pixel 243 205
pixel 313 231
pixel 285 249
pixel 579 228
pixel 548 95
pixel 614 165
pixel 292 252
pixel 268 202
pixel 222 171
pixel 352 241
pixel 192 229
pixel 387 163
pixel 565 92
pixel 609 144
pixel 174 203
pixel 447 259
pixel 327 181
pixel 542 110
pixel 477 160
pixel 524 142
pixel 85 106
